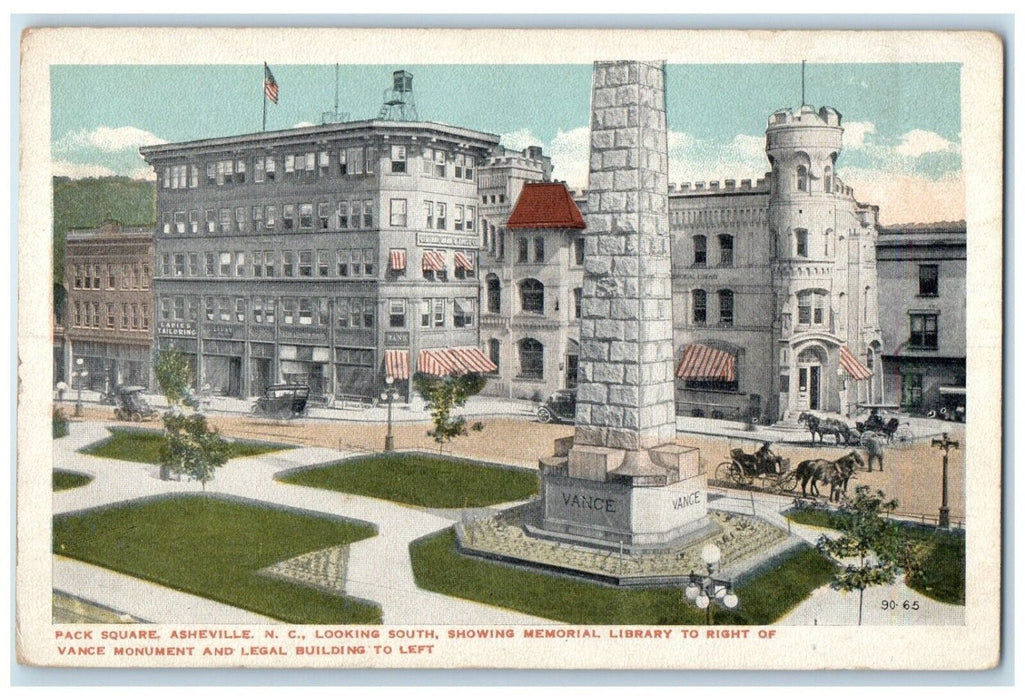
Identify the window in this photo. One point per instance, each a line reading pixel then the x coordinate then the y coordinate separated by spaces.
pixel 725 251
pixel 523 248
pixel 110 315
pixel 306 263
pixel 179 264
pixel 802 178
pixel 437 157
pixel 323 263
pixel 78 314
pixel 825 242
pixel 240 171
pixel 539 249
pixel 398 212
pixel 305 311
pixel 827 179
pixel 429 214
pixel 368 213
pixel 289 163
pixel 240 263
pixel 578 296
pixel 911 392
pixel 324 163
pixel 439 313
pixel 462 313
pixel 811 308
pixel 323 215
pixel 699 307
pixel 343 215
pixel 495 352
pixel 225 264
pixel 288 216
pixel 368 262
pixel 179 222
pixel 179 308
pixel 240 309
pixel 350 161
pixel 306 216
pixel 441 221
pixel 928 280
pixel 270 169
pixel 457 219
pixel 532 359
pixel 78 276
pixel 398 159
pixel 288 311
pixel 801 239
pixel 257 263
pixel 111 278
pixel 494 294
pixel 126 275
pixel 578 251
pixel 343 262
pixel 225 219
pixel 211 264
pixel 193 264
pixel 258 169
pixel 144 278
pixel 700 251
pixel 725 307
pixel 532 297
pixel 924 331
pixel 269 263
pixel 288 264
pixel 194 221
pixel 397 313
pixel 471 216
pixel 124 315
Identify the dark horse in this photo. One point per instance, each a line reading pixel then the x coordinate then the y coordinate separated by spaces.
pixel 836 474
pixel 822 426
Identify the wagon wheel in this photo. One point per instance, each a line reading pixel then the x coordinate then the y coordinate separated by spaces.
pixel 903 434
pixel 865 436
pixel 256 410
pixel 544 415
pixel 136 417
pixel 738 476
pixel 722 472
pixel 787 482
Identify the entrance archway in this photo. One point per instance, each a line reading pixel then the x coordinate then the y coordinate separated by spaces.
pixel 810 379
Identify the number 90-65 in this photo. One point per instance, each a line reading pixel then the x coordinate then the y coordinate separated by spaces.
pixel 898 605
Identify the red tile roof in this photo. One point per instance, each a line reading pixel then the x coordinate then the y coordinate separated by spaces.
pixel 545 205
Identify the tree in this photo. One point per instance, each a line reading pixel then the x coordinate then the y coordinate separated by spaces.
pixel 445 394
pixel 192 448
pixel 174 376
pixel 867 535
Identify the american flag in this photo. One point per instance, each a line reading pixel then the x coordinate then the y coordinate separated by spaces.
pixel 270 86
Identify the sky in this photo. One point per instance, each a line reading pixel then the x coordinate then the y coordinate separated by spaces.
pixel 902 138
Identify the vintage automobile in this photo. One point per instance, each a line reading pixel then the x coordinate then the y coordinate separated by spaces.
pixel 132 405
pixel 283 401
pixel 560 407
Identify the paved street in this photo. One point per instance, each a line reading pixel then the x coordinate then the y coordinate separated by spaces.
pixel 379 567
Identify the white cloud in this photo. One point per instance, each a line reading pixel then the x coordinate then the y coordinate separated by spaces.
pixel 751 147
pixel 571 153
pixel 520 139
pixel 107 139
pixel 918 142
pixel 854 134
pixel 77 171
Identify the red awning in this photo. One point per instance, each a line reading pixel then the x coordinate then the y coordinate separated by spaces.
pixel 852 366
pixel 442 362
pixel 702 363
pixel 463 262
pixel 396 364
pixel 398 260
pixel 434 260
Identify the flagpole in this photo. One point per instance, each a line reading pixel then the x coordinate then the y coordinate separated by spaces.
pixel 263 85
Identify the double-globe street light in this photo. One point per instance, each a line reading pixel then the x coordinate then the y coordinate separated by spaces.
pixel 389 394
pixel 702 591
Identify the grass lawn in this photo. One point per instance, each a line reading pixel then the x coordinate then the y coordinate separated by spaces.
pixel 212 547
pixel 144 446
pixel 439 567
pixel 941 575
pixel 63 480
pixel 421 480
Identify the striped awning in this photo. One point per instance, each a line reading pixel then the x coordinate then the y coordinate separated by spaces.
pixel 463 262
pixel 398 259
pixel 396 364
pixel 442 362
pixel 852 365
pixel 702 363
pixel 434 260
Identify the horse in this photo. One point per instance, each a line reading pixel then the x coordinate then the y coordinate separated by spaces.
pixel 822 426
pixel 836 474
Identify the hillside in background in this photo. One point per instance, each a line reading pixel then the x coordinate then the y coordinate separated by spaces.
pixel 87 203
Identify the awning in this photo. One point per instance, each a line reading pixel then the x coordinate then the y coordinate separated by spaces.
pixel 442 362
pixel 396 364
pixel 702 363
pixel 852 366
pixel 463 262
pixel 434 260
pixel 398 260
pixel 952 390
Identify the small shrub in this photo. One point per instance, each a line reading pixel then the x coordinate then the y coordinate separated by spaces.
pixel 60 423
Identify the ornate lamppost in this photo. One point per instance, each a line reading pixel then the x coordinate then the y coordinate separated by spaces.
pixel 389 394
pixel 945 443
pixel 81 374
pixel 705 590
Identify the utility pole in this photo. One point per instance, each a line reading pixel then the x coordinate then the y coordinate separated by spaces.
pixel 945 443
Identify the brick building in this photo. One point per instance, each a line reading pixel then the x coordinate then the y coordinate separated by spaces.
pixel 109 306
pixel 922 297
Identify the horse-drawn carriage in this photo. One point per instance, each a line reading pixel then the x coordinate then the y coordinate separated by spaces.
pixel 876 425
pixel 771 473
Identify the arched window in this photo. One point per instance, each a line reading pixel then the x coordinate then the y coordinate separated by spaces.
pixel 827 179
pixel 532 359
pixel 725 307
pixel 811 308
pixel 578 295
pixel 699 307
pixel 825 241
pixel 725 250
pixel 532 297
pixel 700 251
pixel 802 178
pixel 801 242
pixel 495 352
pixel 494 294
pixel 865 303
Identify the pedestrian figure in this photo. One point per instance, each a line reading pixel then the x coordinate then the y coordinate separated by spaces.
pixel 874 445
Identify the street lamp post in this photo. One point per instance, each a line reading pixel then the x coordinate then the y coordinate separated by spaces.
pixel 389 395
pixel 945 443
pixel 81 374
pixel 704 590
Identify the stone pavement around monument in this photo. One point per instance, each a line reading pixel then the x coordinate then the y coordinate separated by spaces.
pixel 377 569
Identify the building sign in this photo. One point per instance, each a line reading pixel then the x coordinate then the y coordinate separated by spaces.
pixel 182 329
pixel 447 240
pixel 396 338
pixel 304 334
pixel 222 330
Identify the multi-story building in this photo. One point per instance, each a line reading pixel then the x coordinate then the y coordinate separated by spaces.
pixel 922 297
pixel 531 286
pixel 328 255
pixel 109 306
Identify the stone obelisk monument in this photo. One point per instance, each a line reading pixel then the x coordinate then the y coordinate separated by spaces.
pixel 623 479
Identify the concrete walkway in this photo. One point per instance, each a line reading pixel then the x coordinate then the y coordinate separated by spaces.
pixel 379 568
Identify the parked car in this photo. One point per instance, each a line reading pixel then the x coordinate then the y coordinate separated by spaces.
pixel 283 401
pixel 132 405
pixel 560 407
